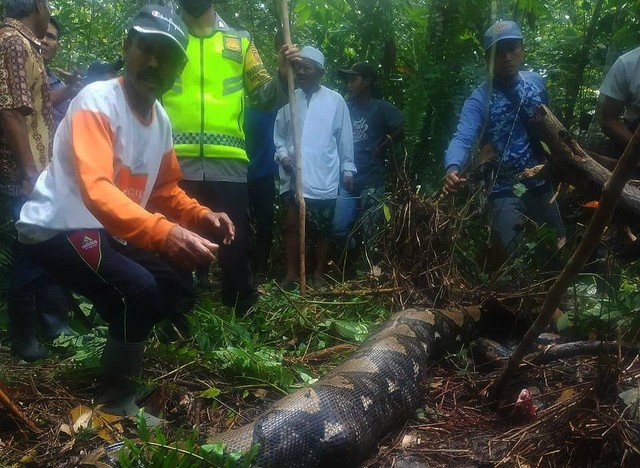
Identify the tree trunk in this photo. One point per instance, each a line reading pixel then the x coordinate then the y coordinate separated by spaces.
pixel 572 164
pixel 596 139
pixel 575 84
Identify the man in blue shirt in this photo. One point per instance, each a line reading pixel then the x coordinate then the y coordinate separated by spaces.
pixel 377 125
pixel 261 178
pixel 497 114
pixel 61 93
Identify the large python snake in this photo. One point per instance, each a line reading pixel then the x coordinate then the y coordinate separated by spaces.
pixel 337 420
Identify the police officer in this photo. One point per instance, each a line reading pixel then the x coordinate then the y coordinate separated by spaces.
pixel 206 108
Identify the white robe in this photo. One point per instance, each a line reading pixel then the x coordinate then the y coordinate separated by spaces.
pixel 326 143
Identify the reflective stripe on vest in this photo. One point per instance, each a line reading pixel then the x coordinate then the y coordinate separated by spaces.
pixel 206 104
pixel 219 139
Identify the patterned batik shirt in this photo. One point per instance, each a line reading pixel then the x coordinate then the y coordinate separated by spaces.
pixel 23 87
pixel 503 130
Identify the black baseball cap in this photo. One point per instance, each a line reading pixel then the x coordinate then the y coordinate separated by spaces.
pixel 363 69
pixel 158 19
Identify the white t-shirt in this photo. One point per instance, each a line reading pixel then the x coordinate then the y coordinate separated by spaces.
pixel 326 142
pixel 108 165
pixel 623 84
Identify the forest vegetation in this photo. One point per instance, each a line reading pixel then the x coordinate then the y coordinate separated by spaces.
pixel 435 254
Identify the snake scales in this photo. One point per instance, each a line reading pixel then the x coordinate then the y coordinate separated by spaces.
pixel 337 420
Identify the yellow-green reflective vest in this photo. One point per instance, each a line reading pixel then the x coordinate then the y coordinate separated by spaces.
pixel 206 104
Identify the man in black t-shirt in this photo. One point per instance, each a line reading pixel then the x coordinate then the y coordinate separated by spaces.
pixel 377 125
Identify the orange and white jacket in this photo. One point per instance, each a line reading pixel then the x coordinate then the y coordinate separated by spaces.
pixel 110 170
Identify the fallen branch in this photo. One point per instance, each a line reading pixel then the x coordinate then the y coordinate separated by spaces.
pixel 601 218
pixel 358 292
pixel 577 348
pixel 610 163
pixel 328 353
pixel 490 353
pixel 17 413
pixel 570 163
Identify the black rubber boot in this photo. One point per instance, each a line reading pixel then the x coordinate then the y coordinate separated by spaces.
pixel 121 365
pixel 53 311
pixel 22 330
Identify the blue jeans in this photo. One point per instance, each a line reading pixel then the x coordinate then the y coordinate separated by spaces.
pixel 509 215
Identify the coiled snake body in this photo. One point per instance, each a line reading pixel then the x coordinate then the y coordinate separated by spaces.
pixel 337 420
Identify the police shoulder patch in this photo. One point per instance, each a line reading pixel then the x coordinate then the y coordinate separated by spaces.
pixel 232 43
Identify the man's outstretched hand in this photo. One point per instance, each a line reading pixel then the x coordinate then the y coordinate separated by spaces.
pixel 220 226
pixel 186 249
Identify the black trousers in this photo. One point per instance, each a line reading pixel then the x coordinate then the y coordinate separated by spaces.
pixel 131 288
pixel 262 197
pixel 31 288
pixel 231 198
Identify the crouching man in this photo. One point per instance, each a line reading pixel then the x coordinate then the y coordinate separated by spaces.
pixel 107 217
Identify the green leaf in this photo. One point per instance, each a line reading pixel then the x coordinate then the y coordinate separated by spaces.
pixel 161 438
pixel 387 212
pixel 545 147
pixel 234 458
pixel 519 189
pixel 214 453
pixel 307 379
pixel 563 322
pixel 210 393
pixel 143 430
pixel 351 330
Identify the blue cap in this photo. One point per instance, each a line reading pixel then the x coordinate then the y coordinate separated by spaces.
pixel 499 31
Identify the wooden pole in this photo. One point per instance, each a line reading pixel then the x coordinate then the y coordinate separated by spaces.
pixel 284 19
pixel 601 218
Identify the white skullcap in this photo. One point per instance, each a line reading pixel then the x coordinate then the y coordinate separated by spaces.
pixel 314 54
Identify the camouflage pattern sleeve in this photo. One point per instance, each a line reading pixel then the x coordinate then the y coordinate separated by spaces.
pixel 264 92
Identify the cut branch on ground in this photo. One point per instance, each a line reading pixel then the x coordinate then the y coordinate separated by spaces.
pixel 601 219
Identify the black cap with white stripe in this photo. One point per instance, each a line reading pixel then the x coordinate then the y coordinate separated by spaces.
pixel 158 19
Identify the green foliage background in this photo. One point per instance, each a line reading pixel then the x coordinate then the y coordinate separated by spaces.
pixel 428 51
